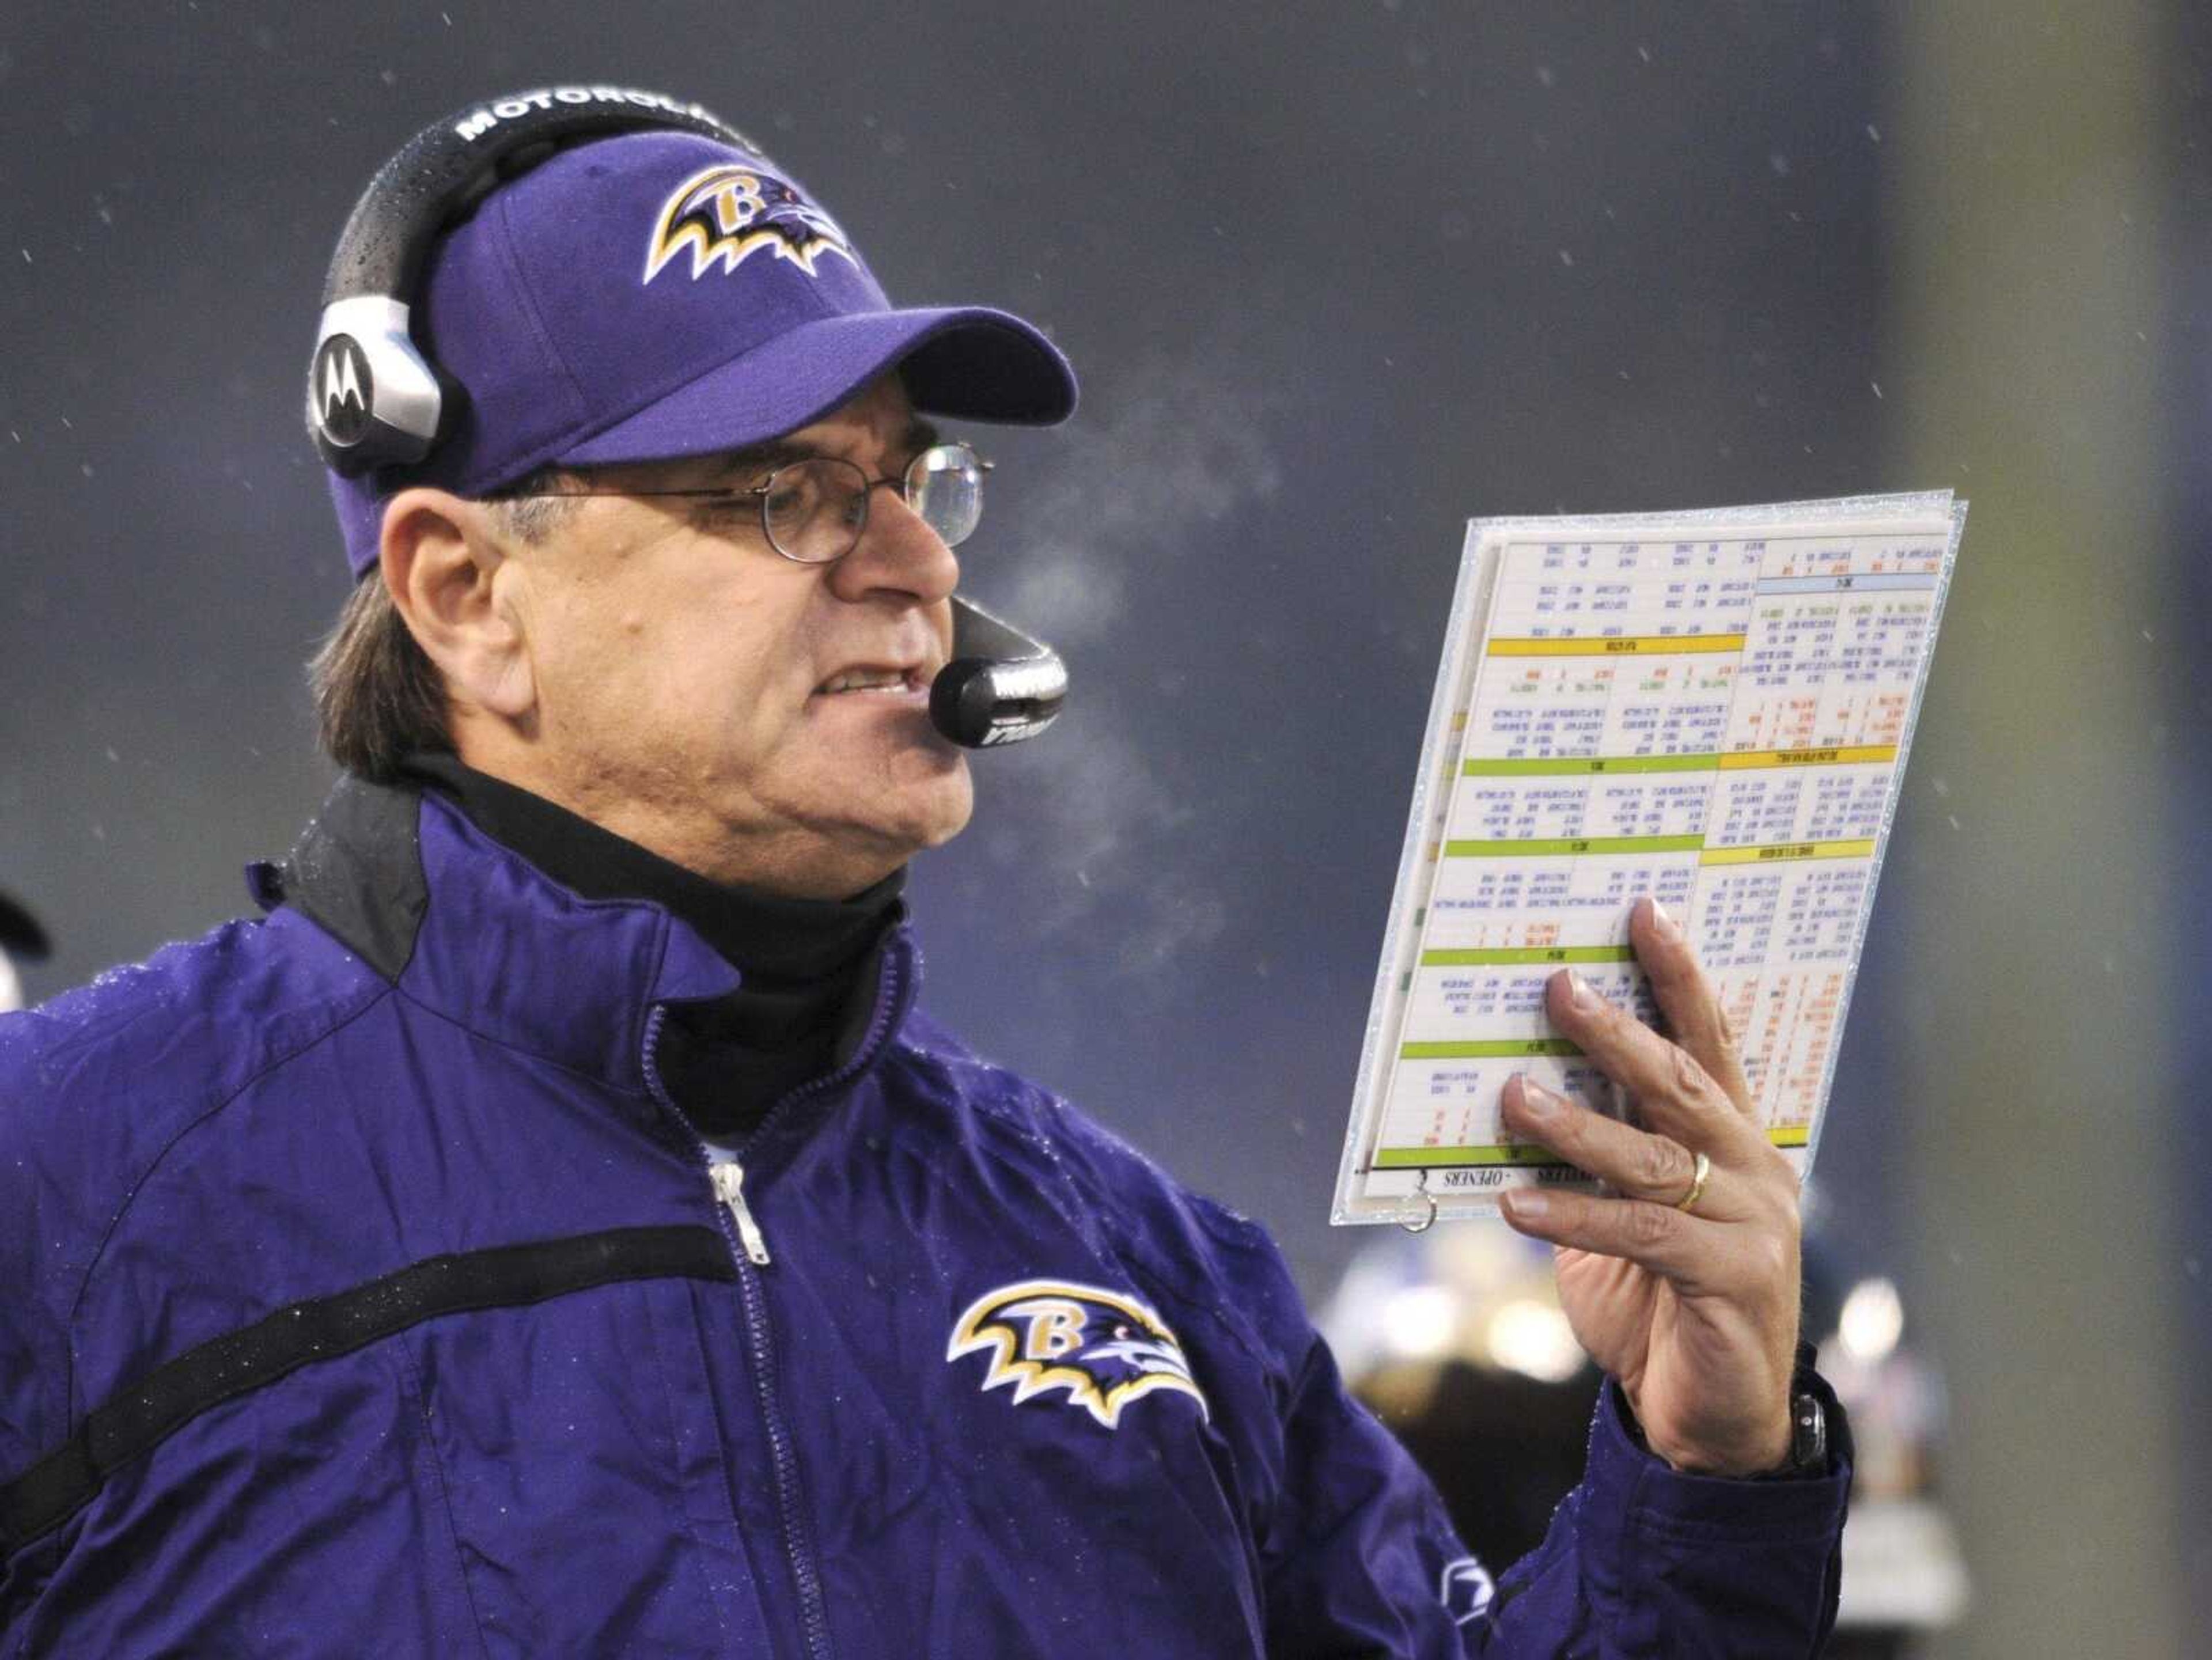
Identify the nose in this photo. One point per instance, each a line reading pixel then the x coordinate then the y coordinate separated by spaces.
pixel 898 555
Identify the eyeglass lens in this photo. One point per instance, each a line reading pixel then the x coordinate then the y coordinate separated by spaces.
pixel 815 510
pixel 944 485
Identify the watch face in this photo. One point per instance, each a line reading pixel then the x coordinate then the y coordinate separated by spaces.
pixel 1808 1434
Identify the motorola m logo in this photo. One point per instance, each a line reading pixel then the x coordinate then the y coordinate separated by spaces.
pixel 341 383
pixel 343 389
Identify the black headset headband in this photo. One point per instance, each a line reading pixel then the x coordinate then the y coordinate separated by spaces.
pixel 374 399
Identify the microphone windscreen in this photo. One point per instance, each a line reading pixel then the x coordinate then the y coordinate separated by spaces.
pixel 961 699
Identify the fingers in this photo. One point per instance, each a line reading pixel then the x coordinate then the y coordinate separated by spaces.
pixel 1687 999
pixel 1637 1165
pixel 1689 1251
pixel 1679 1097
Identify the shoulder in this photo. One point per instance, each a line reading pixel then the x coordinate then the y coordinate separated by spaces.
pixel 95 1082
pixel 202 1011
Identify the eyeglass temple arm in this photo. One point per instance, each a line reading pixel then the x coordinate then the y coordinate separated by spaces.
pixel 1001 686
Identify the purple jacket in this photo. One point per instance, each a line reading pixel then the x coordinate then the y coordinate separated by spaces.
pixel 362 1292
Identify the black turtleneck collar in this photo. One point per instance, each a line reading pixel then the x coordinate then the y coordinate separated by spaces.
pixel 808 965
pixel 755 933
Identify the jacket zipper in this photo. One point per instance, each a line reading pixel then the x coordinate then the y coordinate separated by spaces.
pixel 742 1232
pixel 730 1187
pixel 742 1235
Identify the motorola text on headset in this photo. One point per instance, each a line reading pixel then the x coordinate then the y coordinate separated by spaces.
pixel 1001 685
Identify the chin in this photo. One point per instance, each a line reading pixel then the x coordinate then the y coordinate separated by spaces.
pixel 932 810
pixel 879 814
pixel 855 851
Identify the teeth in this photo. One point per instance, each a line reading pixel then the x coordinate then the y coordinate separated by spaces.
pixel 867 680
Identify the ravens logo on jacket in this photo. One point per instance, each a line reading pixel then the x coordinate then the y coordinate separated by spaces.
pixel 1104 1349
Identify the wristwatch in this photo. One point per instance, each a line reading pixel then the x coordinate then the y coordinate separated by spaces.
pixel 1808 1439
pixel 1808 1424
pixel 1808 1454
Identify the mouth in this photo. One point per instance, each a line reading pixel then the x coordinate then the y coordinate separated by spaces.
pixel 892 682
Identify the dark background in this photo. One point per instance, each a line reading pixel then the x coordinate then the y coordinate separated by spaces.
pixel 1336 277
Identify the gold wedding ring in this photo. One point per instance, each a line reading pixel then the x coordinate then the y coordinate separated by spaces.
pixel 1698 1175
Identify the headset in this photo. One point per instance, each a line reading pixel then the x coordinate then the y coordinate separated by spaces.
pixel 1001 686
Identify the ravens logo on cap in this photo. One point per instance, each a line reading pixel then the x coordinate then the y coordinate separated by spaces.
pixel 727 212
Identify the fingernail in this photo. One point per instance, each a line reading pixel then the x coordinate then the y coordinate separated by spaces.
pixel 1528 1204
pixel 1538 1102
pixel 1580 994
pixel 1664 922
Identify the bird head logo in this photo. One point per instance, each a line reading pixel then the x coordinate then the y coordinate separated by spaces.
pixel 723 215
pixel 1103 1349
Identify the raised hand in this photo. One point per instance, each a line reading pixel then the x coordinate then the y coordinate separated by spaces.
pixel 1683 1282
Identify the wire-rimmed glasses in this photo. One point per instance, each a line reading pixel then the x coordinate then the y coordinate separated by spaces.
pixel 815 511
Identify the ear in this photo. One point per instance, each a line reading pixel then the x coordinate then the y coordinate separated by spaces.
pixel 448 572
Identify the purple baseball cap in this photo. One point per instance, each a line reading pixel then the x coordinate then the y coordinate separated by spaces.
pixel 661 295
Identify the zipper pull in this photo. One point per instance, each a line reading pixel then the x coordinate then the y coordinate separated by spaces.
pixel 730 1188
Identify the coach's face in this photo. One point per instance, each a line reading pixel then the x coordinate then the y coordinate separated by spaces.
pixel 656 666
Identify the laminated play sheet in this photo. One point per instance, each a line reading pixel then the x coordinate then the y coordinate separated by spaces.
pixel 1711 707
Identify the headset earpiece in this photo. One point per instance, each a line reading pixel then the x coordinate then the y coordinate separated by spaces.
pixel 373 399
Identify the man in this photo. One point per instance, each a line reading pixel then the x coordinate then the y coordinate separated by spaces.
pixel 554 1231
